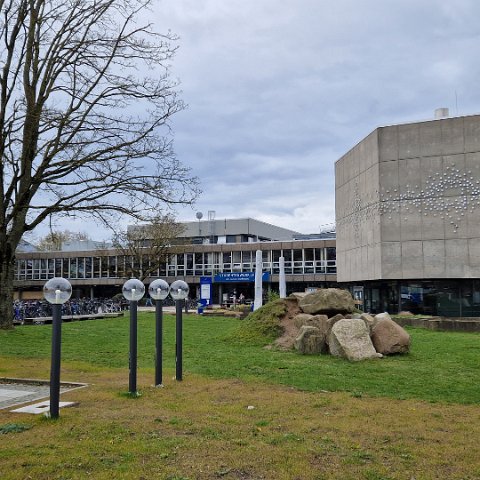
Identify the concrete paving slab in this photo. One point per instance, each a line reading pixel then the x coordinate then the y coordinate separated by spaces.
pixel 14 392
pixel 42 407
pixel 6 394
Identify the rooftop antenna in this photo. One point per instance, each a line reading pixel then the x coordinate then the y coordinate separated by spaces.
pixel 199 216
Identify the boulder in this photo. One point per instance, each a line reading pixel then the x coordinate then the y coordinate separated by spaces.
pixel 388 337
pixel 310 341
pixel 381 316
pixel 331 322
pixel 327 301
pixel 370 321
pixel 301 319
pixel 297 295
pixel 319 321
pixel 350 338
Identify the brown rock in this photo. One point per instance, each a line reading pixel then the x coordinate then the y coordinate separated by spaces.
pixel 388 337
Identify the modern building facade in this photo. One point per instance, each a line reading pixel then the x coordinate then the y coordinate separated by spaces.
pixel 407 234
pixel 408 217
pixel 100 272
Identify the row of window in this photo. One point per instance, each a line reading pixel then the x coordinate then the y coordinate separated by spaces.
pixel 297 261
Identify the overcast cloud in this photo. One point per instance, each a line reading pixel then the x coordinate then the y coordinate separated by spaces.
pixel 277 91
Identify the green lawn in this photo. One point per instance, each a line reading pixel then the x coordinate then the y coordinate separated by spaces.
pixel 442 366
pixel 243 426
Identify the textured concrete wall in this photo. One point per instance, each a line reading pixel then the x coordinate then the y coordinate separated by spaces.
pixel 408 199
pixel 357 199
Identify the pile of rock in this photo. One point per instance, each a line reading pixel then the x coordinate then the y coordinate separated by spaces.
pixel 328 325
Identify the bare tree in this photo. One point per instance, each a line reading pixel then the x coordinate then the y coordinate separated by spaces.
pixel 146 247
pixel 85 103
pixel 53 240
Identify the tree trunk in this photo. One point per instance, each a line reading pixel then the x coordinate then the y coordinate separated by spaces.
pixel 7 264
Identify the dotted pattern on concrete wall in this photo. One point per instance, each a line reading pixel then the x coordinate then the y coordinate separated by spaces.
pixel 450 196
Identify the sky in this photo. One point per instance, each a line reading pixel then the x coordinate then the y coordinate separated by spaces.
pixel 277 91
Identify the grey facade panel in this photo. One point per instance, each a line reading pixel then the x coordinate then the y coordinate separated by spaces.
pixel 409 206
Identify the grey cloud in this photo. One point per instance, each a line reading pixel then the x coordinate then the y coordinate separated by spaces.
pixel 278 91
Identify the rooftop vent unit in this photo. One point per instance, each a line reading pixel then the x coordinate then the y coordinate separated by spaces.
pixel 441 113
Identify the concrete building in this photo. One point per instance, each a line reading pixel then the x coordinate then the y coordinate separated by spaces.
pixel 408 217
pixel 223 253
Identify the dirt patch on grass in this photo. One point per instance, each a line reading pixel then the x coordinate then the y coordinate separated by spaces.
pixel 290 330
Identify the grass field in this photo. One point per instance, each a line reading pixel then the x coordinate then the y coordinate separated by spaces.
pixel 405 417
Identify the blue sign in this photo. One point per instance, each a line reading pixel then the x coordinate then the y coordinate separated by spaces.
pixel 206 290
pixel 240 277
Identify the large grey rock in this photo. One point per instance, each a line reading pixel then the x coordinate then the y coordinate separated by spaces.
pixel 310 341
pixel 330 323
pixel 297 295
pixel 370 321
pixel 319 321
pixel 328 301
pixel 301 319
pixel 388 337
pixel 350 338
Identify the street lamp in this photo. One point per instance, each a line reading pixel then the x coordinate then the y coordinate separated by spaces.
pixel 179 291
pixel 133 290
pixel 56 291
pixel 159 291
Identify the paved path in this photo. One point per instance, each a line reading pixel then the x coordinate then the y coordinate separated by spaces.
pixel 17 392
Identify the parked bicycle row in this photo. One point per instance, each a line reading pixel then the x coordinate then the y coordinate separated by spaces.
pixel 23 309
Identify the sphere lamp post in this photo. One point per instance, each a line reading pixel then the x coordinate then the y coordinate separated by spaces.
pixel 179 291
pixel 158 290
pixel 56 291
pixel 133 290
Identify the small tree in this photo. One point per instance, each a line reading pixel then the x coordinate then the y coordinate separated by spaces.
pixel 147 246
pixel 85 104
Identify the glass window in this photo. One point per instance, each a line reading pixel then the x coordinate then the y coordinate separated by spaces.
pixel 88 267
pixel 309 256
pixel 162 270
pixel 66 267
pixel 189 263
pixel 58 267
pixel 73 268
pixel 43 268
pixel 198 257
pixel 81 267
pixel 121 266
pixel 297 255
pixel 36 269
pixel 104 267
pixel 331 253
pixel 112 266
pixel 96 267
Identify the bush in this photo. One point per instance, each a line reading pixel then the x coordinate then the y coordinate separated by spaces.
pixel 263 325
